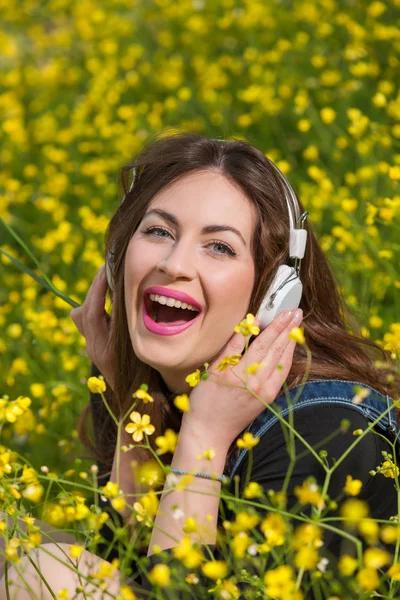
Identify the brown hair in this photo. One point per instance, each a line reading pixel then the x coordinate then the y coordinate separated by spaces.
pixel 338 349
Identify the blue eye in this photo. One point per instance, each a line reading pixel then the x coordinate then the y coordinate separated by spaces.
pixel 228 250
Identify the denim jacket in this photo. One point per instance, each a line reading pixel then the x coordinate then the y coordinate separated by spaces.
pixel 334 392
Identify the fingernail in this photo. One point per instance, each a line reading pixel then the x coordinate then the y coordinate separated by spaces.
pixel 298 315
pixel 286 315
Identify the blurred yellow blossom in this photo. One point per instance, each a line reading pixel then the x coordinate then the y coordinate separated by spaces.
pixel 96 385
pixel 247 441
pixel 352 486
pixel 247 327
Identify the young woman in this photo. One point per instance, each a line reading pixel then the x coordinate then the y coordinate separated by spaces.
pixel 211 221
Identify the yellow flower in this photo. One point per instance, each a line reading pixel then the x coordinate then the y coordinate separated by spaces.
pixel 228 361
pixel 274 529
pixel 242 522
pixel 5 466
pixel 215 569
pixel 347 565
pixel 369 529
pixel 389 469
pixel 308 493
pixel 390 534
pixel 149 473
pixel 118 503
pixel 246 326
pixel 394 173
pixel 189 556
pixel 182 402
pixel 240 543
pixel 207 454
pixel 147 508
pixel 367 579
pixel 296 334
pixel 75 550
pixel 62 594
pixel 307 534
pixel 11 410
pixel 394 572
pixel 253 490
pixel 110 490
pixel 167 442
pixel 35 539
pixel 160 575
pixel 280 583
pixel 143 395
pixel 190 526
pixel 376 558
pixel 353 511
pixel 226 589
pixel 28 475
pixel 306 558
pixel 328 115
pixel 192 579
pixel 126 593
pixel 106 569
pixel 33 492
pixel 11 550
pixel 140 424
pixel 194 378
pixel 352 486
pixel 254 367
pixel 96 385
pixel 183 482
pixel 247 441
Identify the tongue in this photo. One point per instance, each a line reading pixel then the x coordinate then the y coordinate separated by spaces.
pixel 166 315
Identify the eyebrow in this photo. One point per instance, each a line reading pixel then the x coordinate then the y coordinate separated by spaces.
pixel 207 229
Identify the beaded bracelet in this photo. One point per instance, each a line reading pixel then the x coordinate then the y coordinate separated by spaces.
pixel 221 478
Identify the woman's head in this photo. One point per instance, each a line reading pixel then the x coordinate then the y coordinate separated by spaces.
pixel 201 182
pixel 173 249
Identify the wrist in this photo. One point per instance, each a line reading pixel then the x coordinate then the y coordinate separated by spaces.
pixel 201 435
pixel 190 451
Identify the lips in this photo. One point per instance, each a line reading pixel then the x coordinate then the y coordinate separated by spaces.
pixel 163 329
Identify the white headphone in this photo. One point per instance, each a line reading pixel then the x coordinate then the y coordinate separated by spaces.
pixel 286 289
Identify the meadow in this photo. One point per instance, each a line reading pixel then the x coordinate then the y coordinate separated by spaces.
pixel 313 84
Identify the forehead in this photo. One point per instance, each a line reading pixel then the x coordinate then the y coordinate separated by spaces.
pixel 207 198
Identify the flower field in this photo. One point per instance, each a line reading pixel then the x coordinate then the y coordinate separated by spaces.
pixel 314 84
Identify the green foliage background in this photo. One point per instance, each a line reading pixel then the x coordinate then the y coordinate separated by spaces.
pixel 314 84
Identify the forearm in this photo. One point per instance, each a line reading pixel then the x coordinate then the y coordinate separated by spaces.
pixel 198 499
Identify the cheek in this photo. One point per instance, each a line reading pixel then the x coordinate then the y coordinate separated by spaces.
pixel 233 290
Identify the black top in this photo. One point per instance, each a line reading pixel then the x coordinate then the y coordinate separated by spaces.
pixel 271 462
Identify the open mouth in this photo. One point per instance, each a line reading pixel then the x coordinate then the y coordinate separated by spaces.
pixel 168 315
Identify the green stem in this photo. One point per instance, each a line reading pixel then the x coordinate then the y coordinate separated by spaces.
pixel 27 250
pixel 41 577
pixel 41 282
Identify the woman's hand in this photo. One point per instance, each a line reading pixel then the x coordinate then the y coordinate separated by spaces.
pixel 218 412
pixel 93 322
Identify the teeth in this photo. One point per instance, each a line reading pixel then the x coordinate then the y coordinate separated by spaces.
pixel 172 302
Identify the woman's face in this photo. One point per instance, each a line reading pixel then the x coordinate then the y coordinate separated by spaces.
pixel 181 257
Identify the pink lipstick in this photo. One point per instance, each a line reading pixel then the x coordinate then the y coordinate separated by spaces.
pixel 165 329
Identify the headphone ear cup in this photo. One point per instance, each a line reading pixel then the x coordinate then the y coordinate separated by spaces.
pixel 110 280
pixel 288 298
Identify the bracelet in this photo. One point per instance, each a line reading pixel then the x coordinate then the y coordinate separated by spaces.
pixel 221 478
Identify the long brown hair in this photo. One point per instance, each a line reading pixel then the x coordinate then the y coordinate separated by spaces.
pixel 338 349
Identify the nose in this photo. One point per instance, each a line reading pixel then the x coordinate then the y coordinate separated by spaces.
pixel 179 262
